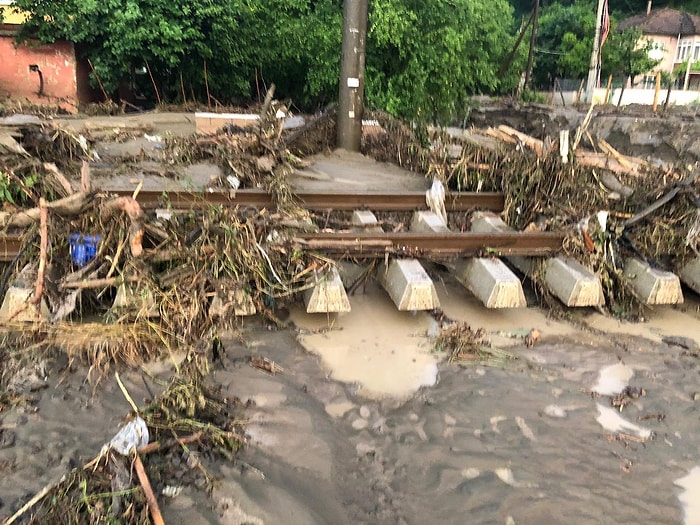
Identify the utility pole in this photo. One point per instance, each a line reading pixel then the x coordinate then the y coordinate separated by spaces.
pixel 595 55
pixel 352 75
pixel 533 41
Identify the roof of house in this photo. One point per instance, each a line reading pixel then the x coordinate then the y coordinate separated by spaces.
pixel 664 22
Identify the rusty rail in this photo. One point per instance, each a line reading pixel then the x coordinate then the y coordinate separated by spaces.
pixel 364 244
pixel 10 245
pixel 434 246
pixel 401 201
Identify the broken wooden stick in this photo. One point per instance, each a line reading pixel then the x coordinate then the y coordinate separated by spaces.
pixel 85 178
pixel 37 497
pixel 132 208
pixel 531 142
pixel 68 206
pixel 151 500
pixel 622 159
pixel 99 283
pixel 43 249
pixel 157 445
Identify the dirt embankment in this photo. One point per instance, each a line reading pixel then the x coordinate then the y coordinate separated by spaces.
pixel 665 137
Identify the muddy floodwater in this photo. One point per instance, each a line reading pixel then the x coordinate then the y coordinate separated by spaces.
pixel 532 443
pixel 366 424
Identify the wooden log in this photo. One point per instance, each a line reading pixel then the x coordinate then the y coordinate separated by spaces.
pixel 531 142
pixel 68 206
pixel 500 135
pixel 151 500
pixel 129 205
pixel 622 159
pixel 604 161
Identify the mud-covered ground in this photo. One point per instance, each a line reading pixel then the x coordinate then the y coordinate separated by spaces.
pixel 664 138
pixel 405 437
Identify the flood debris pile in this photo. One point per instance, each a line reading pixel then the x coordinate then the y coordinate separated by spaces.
pixel 144 281
pixel 165 278
pixel 613 206
pixel 160 449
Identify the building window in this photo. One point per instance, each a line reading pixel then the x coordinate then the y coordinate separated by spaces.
pixel 685 50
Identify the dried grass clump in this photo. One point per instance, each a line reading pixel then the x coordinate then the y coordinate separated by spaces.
pixel 464 345
pixel 398 143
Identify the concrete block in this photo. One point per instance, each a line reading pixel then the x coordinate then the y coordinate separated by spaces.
pixel 428 222
pixel 210 123
pixel 488 222
pixel 690 274
pixel 142 300
pixel 653 286
pixel 572 283
pixel 365 221
pixel 491 281
pixel 408 285
pixel 565 277
pixel 327 295
pixel 18 307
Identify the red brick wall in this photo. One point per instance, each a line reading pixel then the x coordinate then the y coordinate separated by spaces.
pixel 58 67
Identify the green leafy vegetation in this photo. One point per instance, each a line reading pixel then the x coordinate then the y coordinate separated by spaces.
pixel 424 59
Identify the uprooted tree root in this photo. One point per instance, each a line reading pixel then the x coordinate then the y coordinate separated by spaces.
pixel 187 422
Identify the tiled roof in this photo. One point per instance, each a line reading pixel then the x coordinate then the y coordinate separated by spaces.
pixel 664 22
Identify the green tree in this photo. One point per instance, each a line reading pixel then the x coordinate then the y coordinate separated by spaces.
pixel 565 41
pixel 426 58
pixel 170 36
pixel 627 55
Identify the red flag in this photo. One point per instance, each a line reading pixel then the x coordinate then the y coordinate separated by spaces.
pixel 606 23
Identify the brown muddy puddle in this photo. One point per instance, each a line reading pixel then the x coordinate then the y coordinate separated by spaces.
pixel 367 425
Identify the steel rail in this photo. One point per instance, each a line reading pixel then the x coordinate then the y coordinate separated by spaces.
pixel 434 246
pixel 10 245
pixel 401 201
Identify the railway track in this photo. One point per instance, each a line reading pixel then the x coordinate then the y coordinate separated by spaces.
pixel 364 244
pixel 339 201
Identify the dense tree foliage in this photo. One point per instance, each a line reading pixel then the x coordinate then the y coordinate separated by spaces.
pixel 424 57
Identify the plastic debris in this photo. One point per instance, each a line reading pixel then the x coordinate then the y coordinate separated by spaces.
pixel 132 435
